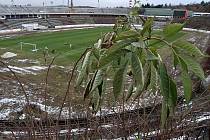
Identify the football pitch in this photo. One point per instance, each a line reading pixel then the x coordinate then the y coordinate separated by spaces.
pixel 67 44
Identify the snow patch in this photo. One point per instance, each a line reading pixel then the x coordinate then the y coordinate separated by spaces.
pixel 8 55
pixel 28 61
pixel 24 70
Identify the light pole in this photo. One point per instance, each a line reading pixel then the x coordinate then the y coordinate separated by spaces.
pixel 12 2
pixel 98 4
pixel 51 2
pixel 130 3
pixel 72 4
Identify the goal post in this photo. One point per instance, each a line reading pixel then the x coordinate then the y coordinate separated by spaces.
pixel 34 47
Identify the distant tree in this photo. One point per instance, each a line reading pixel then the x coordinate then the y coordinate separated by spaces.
pixel 147 5
pixel 159 6
pixel 51 2
pixel 166 5
pixel 203 3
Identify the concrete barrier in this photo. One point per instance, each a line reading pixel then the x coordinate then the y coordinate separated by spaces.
pixel 97 25
pixel 10 31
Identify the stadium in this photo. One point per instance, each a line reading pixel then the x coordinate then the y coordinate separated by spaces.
pixel 39 51
pixel 13 17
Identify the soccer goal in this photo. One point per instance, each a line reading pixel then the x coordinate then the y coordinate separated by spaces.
pixel 34 47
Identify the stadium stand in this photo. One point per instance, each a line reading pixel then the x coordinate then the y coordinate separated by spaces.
pixel 58 9
pixel 104 20
pixel 13 24
pixel 50 16
pixel 82 19
pixel 3 25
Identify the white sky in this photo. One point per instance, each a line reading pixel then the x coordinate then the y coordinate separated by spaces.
pixel 103 3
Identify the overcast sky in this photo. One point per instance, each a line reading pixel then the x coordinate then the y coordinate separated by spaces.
pixel 103 3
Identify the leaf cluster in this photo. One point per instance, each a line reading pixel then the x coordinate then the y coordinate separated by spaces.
pixel 129 52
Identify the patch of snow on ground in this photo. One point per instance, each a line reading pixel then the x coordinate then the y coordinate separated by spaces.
pixel 203 118
pixel 8 55
pixel 24 70
pixel 19 102
pixel 22 60
pixel 28 61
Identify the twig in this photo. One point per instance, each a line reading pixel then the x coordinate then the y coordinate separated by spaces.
pixel 46 86
pixel 68 87
pixel 69 82
pixel 46 81
pixel 20 83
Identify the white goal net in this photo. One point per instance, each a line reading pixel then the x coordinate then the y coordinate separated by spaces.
pixel 34 47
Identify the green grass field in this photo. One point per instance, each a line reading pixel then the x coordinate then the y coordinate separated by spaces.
pixel 59 41
pixel 79 38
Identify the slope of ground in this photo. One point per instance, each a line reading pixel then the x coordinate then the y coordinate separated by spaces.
pixel 199 23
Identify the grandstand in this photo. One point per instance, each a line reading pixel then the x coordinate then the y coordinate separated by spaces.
pixel 15 9
pixel 12 17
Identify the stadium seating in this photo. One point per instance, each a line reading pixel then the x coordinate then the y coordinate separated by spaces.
pixel 15 21
pixel 82 19
pixel 104 20
pixel 58 9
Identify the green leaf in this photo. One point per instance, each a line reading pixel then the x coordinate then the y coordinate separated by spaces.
pixel 151 56
pixel 172 29
pixel 147 26
pixel 98 79
pixel 84 69
pixel 87 89
pixel 127 34
pixel 95 101
pixel 109 37
pixel 96 53
pixel 89 86
pixel 99 43
pixel 140 89
pixel 172 101
pixel 114 52
pixel 168 88
pixel 121 44
pixel 188 48
pixel 183 64
pixel 158 44
pixel 142 43
pixel 165 90
pixel 186 80
pixel 119 79
pixel 142 54
pixel 130 91
pixel 100 88
pixel 153 78
pixel 164 80
pixel 135 11
pixel 105 60
pixel 137 69
pixel 138 44
pixel 194 66
pixel 175 59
